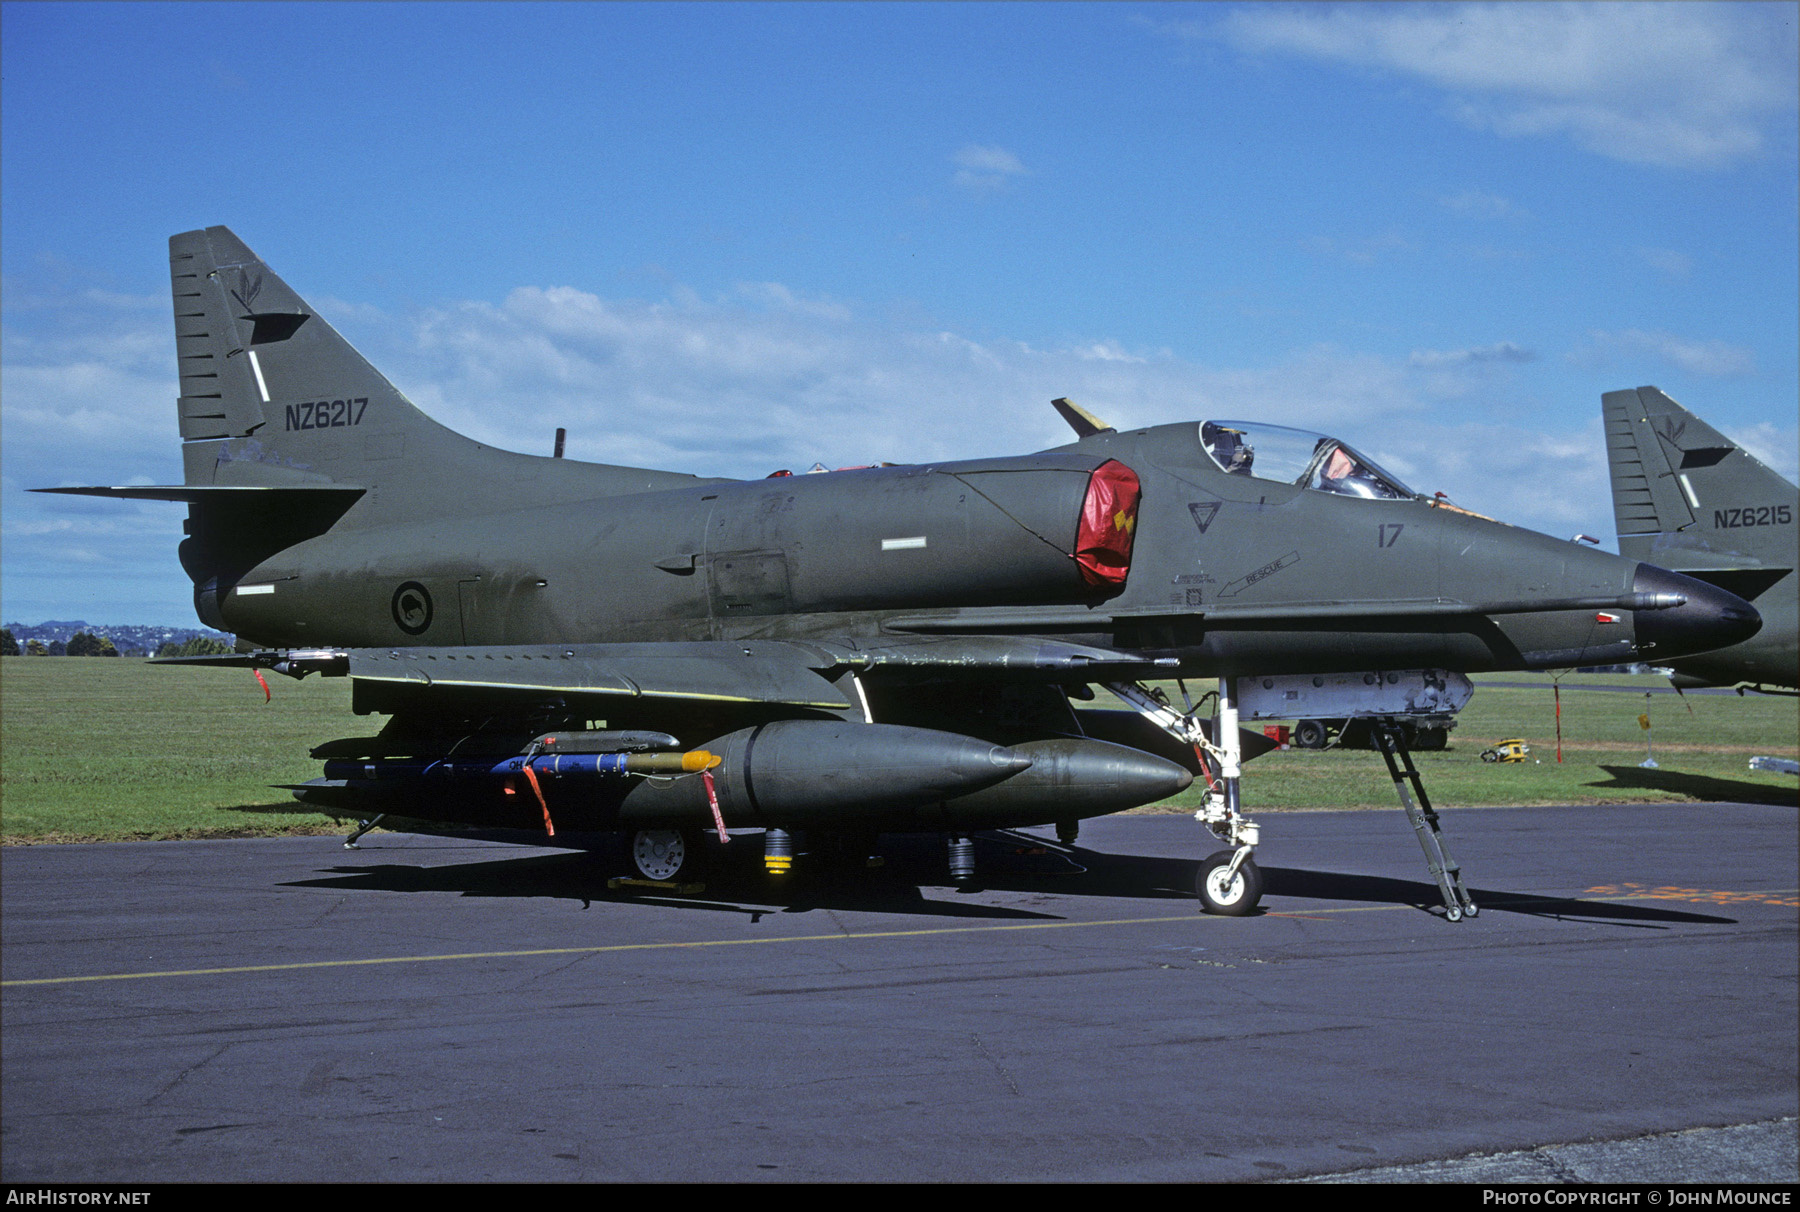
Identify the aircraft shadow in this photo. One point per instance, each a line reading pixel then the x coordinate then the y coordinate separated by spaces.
pixel 731 880
pixel 1138 877
pixel 1385 890
pixel 1700 786
pixel 290 808
pixel 914 880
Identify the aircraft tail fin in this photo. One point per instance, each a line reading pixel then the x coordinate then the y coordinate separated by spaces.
pixel 273 396
pixel 270 393
pixel 1688 498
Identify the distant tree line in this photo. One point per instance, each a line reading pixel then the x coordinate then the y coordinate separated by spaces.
pixel 58 636
pixel 84 643
pixel 198 646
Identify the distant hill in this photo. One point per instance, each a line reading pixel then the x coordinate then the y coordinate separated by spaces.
pixel 131 639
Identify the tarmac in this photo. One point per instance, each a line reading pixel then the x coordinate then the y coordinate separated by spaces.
pixel 458 1009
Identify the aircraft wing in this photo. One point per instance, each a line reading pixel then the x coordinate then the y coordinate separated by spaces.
pixel 776 672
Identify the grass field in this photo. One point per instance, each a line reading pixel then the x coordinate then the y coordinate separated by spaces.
pixel 96 748
pixel 1702 745
pixel 116 749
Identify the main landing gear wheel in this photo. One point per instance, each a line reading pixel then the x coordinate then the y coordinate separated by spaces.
pixel 1231 897
pixel 663 854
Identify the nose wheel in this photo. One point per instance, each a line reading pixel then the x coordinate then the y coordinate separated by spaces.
pixel 1228 887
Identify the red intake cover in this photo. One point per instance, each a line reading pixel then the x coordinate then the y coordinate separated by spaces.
pixel 1108 524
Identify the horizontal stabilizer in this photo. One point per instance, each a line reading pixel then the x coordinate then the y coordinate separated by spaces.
pixel 194 494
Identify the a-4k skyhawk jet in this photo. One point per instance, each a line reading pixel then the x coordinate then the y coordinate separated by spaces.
pixel 574 646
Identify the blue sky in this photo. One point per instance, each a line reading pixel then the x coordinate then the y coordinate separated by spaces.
pixel 730 238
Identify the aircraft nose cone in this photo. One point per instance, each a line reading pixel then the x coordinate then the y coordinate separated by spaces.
pixel 1711 618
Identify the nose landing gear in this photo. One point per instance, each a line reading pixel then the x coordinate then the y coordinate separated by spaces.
pixel 1229 882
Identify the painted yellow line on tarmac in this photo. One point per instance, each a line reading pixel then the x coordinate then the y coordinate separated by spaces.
pixel 722 942
pixel 1782 897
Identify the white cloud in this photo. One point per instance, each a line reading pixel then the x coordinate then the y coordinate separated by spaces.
pixel 132 525
pixel 1552 480
pixel 1775 447
pixel 90 390
pixel 1674 84
pixel 717 388
pixel 87 298
pixel 1667 260
pixel 1480 205
pixel 1364 251
pixel 776 297
pixel 1504 351
pixel 1713 358
pixel 1106 351
pixel 983 170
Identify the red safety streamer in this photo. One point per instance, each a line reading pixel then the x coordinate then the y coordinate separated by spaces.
pixel 1205 766
pixel 267 697
pixel 531 777
pixel 712 797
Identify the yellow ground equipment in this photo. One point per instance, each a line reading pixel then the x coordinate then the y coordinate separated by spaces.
pixel 1510 750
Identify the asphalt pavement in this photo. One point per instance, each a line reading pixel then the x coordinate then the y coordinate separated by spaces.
pixel 436 1009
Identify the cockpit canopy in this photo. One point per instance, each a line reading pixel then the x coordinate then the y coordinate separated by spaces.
pixel 1294 456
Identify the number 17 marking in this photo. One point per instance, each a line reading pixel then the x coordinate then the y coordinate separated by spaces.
pixel 1389 534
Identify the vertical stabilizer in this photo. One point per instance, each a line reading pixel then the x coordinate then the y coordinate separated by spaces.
pixel 1688 498
pixel 1685 496
pixel 272 396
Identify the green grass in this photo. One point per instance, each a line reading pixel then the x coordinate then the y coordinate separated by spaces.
pixel 115 749
pixel 1702 743
pixel 99 748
